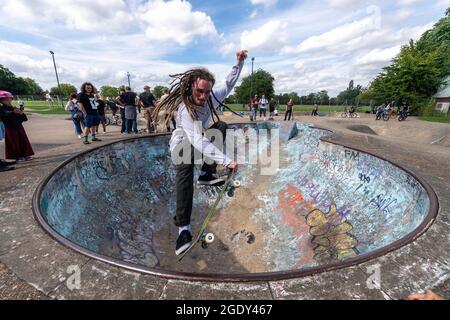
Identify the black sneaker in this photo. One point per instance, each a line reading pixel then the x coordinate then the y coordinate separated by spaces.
pixel 5 168
pixel 4 163
pixel 211 180
pixel 184 241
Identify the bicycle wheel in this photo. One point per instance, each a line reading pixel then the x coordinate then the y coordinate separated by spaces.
pixel 108 121
pixel 386 117
pixel 344 115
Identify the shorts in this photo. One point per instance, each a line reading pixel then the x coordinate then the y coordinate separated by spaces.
pixel 103 119
pixel 92 120
pixel 2 131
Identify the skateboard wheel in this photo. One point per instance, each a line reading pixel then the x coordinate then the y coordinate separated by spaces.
pixel 204 245
pixel 209 238
pixel 230 193
pixel 236 184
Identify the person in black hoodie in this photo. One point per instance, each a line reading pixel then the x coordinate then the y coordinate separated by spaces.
pixel 17 145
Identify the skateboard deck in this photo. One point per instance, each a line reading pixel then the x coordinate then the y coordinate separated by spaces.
pixel 206 238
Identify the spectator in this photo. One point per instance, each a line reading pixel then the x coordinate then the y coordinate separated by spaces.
pixel 75 114
pixel 147 101
pixel 4 165
pixel 315 111
pixel 122 110
pixel 254 107
pixel 289 107
pixel 263 106
pixel 130 100
pixel 101 112
pixel 89 108
pixel 17 145
pixel 272 107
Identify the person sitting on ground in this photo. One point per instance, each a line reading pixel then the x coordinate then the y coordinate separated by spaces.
pixel 17 145
pixel 75 113
pixel 89 107
pixel 191 97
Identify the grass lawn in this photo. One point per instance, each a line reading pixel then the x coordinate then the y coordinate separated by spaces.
pixel 305 108
pixel 436 119
pixel 43 107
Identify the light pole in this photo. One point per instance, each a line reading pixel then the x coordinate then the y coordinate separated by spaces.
pixel 128 76
pixel 57 78
pixel 251 84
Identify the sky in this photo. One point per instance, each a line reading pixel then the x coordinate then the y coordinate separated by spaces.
pixel 307 45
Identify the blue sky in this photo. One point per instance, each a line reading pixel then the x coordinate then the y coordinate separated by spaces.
pixel 307 45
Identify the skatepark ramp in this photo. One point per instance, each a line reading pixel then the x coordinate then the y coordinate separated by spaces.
pixel 306 206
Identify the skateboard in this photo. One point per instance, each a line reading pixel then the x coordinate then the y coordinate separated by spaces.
pixel 207 238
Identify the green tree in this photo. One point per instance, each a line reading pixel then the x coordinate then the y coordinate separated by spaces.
pixel 32 87
pixel 66 89
pixel 109 91
pixel 158 91
pixel 416 73
pixel 262 84
pixel 350 95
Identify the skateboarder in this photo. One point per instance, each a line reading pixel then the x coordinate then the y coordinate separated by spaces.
pixel 190 99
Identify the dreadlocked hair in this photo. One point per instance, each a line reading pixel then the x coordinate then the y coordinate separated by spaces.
pixel 181 92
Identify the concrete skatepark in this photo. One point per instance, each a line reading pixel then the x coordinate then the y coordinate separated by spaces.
pixel 333 211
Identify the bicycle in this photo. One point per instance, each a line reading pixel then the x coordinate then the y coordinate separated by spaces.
pixel 348 114
pixel 383 114
pixel 114 120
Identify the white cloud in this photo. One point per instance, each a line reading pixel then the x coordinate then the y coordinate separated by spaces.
pixel 268 37
pixel 266 3
pixel 378 55
pixel 175 21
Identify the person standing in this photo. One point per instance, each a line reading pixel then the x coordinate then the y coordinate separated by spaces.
pixel 254 107
pixel 289 107
pixel 315 111
pixel 17 145
pixel 122 110
pixel 130 100
pixel 147 101
pixel 101 107
pixel 75 113
pixel 263 106
pixel 89 107
pixel 191 99
pixel 272 107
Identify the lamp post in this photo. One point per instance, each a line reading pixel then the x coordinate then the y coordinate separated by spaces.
pixel 57 78
pixel 128 76
pixel 251 83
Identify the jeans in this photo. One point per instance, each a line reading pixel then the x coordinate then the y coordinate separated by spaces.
pixel 131 125
pixel 76 123
pixel 255 113
pixel 262 111
pixel 184 184
pixel 124 121
pixel 288 112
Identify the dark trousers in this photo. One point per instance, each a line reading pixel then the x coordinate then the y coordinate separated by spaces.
pixel 288 112
pixel 262 111
pixel 184 184
pixel 124 121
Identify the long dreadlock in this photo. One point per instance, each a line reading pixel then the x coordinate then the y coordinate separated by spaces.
pixel 181 92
